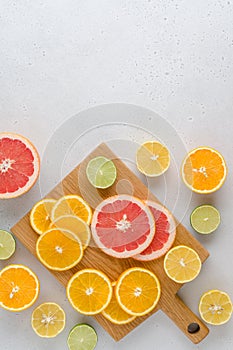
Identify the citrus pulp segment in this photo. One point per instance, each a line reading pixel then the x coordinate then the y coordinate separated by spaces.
pixel 205 219
pixel 19 287
pixel 165 233
pixel 19 165
pixel 82 337
pixel 76 225
pixel 72 205
pixel 152 158
pixel 138 291
pixel 114 313
pixel 204 170
pixel 7 245
pixel 215 307
pixel 101 172
pixel 89 291
pixel 48 320
pixel 122 226
pixel 182 264
pixel 40 215
pixel 59 250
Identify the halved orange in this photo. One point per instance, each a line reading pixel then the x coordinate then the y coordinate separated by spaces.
pixel 72 205
pixel 59 250
pixel 40 216
pixel 114 313
pixel 89 291
pixel 19 287
pixel 138 291
pixel 76 225
pixel 204 170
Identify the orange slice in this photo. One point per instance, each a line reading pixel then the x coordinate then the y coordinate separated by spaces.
pixel 76 225
pixel 89 291
pixel 40 216
pixel 19 287
pixel 72 205
pixel 59 250
pixel 152 158
pixel 182 264
pixel 204 170
pixel 114 313
pixel 138 291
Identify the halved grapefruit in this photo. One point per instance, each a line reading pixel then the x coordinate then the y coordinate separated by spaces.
pixel 122 226
pixel 164 234
pixel 19 165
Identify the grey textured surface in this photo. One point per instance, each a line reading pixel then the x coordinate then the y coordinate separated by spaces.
pixel 173 57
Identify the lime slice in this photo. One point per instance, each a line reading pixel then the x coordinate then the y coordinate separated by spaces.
pixel 7 245
pixel 101 172
pixel 205 219
pixel 82 337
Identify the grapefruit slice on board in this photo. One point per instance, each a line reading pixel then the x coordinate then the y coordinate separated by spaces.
pixel 122 226
pixel 165 233
pixel 19 165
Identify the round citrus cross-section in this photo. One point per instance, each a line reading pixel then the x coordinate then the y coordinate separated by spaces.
pixel 40 215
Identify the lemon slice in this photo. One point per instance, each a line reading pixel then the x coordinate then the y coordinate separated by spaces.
pixel 48 320
pixel 182 264
pixel 215 307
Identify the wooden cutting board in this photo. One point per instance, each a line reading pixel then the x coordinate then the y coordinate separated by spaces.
pixel 128 183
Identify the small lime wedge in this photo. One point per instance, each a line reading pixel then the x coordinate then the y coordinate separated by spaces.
pixel 7 245
pixel 82 337
pixel 205 219
pixel 101 172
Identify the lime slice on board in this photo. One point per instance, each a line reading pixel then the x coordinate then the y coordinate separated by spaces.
pixel 7 245
pixel 101 172
pixel 205 219
pixel 82 337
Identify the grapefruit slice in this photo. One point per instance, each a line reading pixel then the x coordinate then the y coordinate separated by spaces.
pixel 165 233
pixel 19 165
pixel 122 226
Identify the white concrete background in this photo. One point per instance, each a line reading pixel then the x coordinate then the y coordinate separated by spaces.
pixel 58 58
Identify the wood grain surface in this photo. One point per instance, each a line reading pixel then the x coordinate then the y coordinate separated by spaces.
pixel 128 183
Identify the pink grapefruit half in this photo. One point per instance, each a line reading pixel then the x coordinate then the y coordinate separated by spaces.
pixel 19 165
pixel 164 236
pixel 122 226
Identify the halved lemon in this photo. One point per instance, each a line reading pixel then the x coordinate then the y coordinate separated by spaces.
pixel 152 158
pixel 72 205
pixel 182 264
pixel 48 320
pixel 137 291
pixel 89 291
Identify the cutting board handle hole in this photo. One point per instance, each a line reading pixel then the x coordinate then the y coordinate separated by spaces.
pixel 193 328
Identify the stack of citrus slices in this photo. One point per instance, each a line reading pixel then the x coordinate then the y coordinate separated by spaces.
pixel 63 226
pixel 135 293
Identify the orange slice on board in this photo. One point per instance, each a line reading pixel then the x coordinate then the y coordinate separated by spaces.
pixel 89 291
pixel 138 291
pixel 40 216
pixel 59 250
pixel 204 170
pixel 122 226
pixel 19 288
pixel 19 165
pixel 72 205
pixel 76 225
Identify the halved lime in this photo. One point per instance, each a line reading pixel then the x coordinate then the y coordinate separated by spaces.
pixel 205 219
pixel 82 337
pixel 7 245
pixel 101 172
